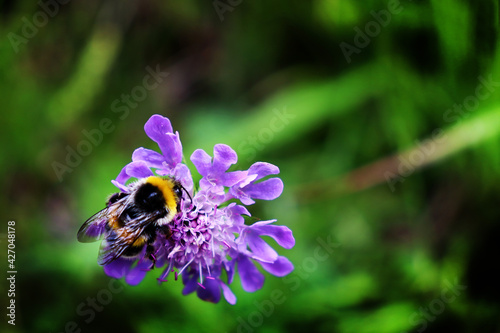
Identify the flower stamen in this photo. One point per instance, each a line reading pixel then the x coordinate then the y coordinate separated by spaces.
pixel 186 265
pixel 213 247
pixel 167 270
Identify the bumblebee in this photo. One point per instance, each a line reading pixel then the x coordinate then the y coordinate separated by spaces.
pixel 132 220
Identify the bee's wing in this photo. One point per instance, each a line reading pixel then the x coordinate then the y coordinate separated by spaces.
pixel 119 240
pixel 94 227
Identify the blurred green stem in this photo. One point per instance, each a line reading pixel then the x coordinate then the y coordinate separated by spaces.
pixel 396 168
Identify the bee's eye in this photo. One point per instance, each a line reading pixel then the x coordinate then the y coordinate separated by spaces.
pixel 178 191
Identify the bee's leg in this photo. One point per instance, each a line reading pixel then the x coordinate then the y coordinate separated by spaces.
pixel 150 253
pixel 150 250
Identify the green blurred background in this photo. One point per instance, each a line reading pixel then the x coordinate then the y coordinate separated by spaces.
pixel 383 117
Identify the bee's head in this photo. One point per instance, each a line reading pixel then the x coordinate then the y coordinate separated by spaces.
pixel 160 193
pixel 178 188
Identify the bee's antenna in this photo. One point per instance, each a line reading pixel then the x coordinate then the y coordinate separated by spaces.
pixel 189 195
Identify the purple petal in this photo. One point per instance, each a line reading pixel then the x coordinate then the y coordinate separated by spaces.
pixel 137 274
pixel 280 233
pixel 262 223
pixel 171 148
pixel 122 187
pixel 213 186
pixel 117 268
pixel 237 210
pixel 263 169
pixel 251 278
pixel 228 293
pixel 182 173
pixel 281 267
pixel 122 176
pixel 260 249
pixel 138 170
pixel 268 189
pixel 190 284
pixel 152 158
pixel 231 178
pixel 224 157
pixel 246 200
pixel 210 292
pixel 238 191
pixel 159 129
pixel 157 126
pixel 234 213
pixel 229 266
pixel 202 161
pixel 247 180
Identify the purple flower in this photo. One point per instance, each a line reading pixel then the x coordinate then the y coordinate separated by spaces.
pixel 247 189
pixel 159 129
pixel 215 177
pixel 209 235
